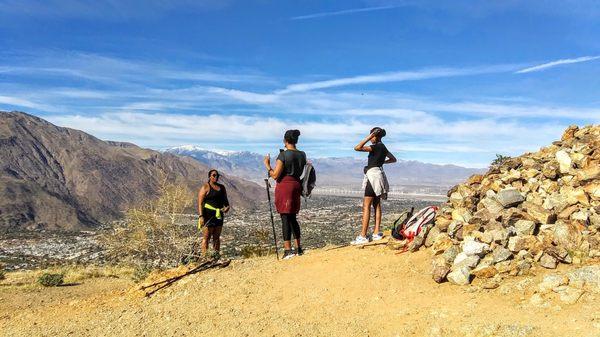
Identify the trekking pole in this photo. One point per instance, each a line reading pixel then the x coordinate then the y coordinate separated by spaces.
pixel 272 220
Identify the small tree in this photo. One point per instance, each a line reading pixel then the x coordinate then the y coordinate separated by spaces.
pixel 500 159
pixel 157 233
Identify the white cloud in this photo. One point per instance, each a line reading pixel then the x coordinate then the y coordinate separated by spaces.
pixel 397 76
pixel 557 63
pixel 427 133
pixel 25 103
pixel 343 12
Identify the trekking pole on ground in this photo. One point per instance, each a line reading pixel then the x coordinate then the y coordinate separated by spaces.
pixel 272 220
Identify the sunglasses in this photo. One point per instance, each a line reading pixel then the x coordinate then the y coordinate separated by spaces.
pixel 214 175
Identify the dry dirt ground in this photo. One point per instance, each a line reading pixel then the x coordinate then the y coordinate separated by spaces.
pixel 341 292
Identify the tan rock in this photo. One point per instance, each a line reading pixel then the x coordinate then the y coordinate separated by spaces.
pixel 567 235
pixel 484 272
pixel 548 261
pixel 540 214
pixel 461 214
pixel 456 199
pixel 441 243
pixel 475 179
pixel 431 236
pixel 439 272
pixel 550 170
pixel 569 132
pixel 577 158
pixel 566 213
pixel 525 242
pixel 565 164
pixel 581 216
pixel 574 195
pixel 556 202
pixel 493 206
pixel 468 228
pixel 442 223
pixel 593 190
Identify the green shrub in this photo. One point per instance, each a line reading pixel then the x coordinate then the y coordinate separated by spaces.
pixel 500 159
pixel 51 280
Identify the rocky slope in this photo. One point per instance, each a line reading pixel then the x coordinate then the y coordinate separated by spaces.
pixel 59 178
pixel 530 212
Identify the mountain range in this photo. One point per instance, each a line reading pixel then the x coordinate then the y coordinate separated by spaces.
pixel 59 178
pixel 342 172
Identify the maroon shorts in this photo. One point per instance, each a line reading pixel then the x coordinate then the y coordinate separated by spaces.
pixel 287 195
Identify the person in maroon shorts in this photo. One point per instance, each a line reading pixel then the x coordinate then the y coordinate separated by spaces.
pixel 287 172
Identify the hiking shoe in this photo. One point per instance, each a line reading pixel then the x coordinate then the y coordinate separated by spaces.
pixel 287 254
pixel 377 236
pixel 299 251
pixel 359 240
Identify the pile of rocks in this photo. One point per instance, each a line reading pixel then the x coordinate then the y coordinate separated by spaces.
pixel 536 210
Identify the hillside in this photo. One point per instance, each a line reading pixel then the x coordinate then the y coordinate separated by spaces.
pixel 59 178
pixel 339 172
pixel 340 292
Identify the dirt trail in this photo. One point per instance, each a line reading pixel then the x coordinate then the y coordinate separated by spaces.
pixel 341 292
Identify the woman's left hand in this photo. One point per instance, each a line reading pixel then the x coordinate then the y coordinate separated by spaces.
pixel 267 160
pixel 225 209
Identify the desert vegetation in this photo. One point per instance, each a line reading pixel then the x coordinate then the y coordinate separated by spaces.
pixel 155 234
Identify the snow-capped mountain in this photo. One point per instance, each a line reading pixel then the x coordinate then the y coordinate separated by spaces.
pixel 332 171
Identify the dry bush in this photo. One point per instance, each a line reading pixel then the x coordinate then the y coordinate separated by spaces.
pixel 263 246
pixel 156 234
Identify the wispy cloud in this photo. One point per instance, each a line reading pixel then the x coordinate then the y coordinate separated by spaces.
pixel 398 76
pixel 343 12
pixel 25 103
pixel 118 71
pixel 557 63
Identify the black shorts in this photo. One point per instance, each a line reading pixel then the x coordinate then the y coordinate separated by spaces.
pixel 369 192
pixel 213 222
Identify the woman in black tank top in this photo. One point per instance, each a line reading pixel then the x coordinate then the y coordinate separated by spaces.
pixel 212 204
pixel 378 155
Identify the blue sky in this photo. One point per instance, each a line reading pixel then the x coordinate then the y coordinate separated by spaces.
pixel 451 81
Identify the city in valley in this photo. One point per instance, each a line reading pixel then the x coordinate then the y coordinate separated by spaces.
pixel 324 219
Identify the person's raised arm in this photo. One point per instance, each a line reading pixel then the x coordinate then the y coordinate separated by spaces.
pixel 361 146
pixel 391 158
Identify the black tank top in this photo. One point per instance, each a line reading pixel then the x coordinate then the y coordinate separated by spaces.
pixel 217 199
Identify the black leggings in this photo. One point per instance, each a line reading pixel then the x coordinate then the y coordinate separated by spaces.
pixel 289 224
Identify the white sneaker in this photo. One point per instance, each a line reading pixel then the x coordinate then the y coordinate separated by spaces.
pixel 288 254
pixel 359 240
pixel 377 236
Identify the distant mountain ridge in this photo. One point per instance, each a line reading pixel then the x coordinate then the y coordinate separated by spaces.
pixel 59 178
pixel 333 171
